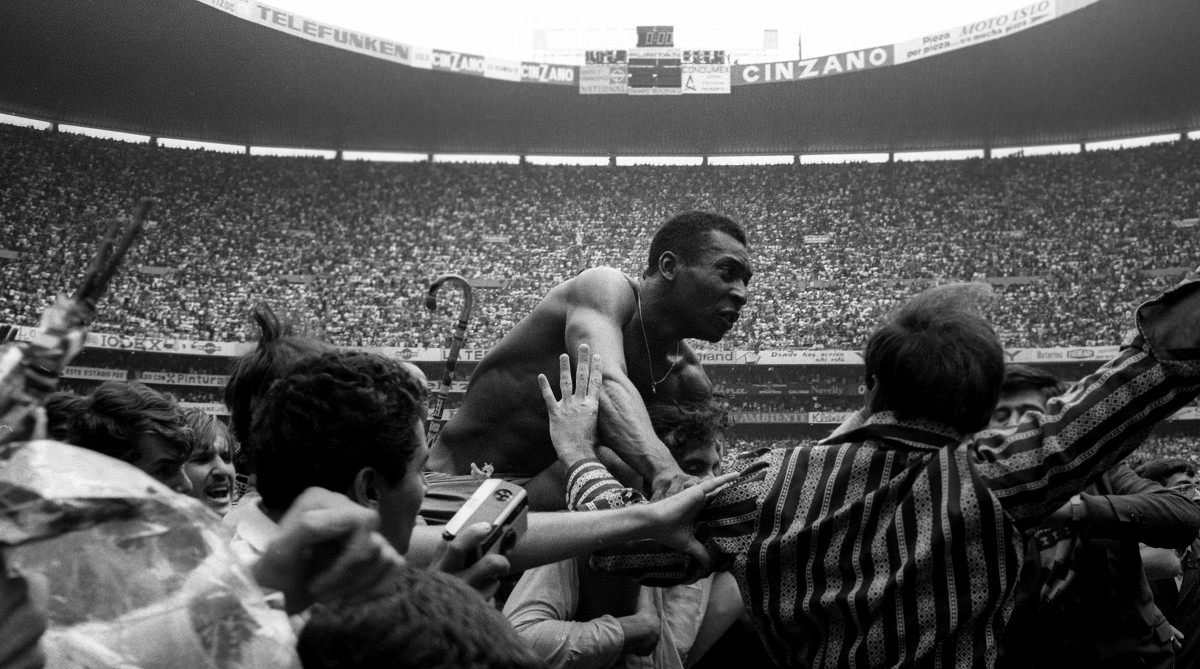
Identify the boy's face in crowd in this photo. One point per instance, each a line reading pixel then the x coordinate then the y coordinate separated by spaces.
pixel 702 462
pixel 210 472
pixel 1183 482
pixel 399 503
pixel 164 461
pixel 1012 407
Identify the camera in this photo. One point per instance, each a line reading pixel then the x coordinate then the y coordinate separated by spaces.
pixel 503 506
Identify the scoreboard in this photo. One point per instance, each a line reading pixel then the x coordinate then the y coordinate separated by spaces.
pixel 703 57
pixel 610 57
pixel 655 36
pixel 654 67
pixel 655 72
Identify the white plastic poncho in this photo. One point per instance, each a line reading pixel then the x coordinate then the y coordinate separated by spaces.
pixel 129 574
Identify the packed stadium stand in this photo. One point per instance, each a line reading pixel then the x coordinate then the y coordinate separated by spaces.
pixel 1070 243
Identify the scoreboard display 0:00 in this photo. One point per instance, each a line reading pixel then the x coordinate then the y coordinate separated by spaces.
pixel 650 36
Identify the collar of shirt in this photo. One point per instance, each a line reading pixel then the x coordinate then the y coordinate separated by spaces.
pixel 886 426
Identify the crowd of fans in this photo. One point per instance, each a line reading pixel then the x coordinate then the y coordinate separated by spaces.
pixel 350 246
pixel 1167 446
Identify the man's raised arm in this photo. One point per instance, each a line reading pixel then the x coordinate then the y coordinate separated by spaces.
pixel 1103 417
pixel 598 302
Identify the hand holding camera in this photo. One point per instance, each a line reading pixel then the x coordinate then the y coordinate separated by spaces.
pixel 498 511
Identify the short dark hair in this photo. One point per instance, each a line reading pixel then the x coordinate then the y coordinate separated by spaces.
pixel 118 413
pixel 936 358
pixel 684 236
pixel 431 620
pixel 206 431
pixel 686 426
pixel 1020 378
pixel 278 348
pixel 329 417
pixel 1161 469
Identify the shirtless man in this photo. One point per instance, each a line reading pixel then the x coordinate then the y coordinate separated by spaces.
pixel 694 286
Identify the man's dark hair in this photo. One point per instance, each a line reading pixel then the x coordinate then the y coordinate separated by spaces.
pixel 278 348
pixel 331 416
pixel 936 358
pixel 688 425
pixel 684 236
pixel 431 620
pixel 1020 378
pixel 1164 468
pixel 118 413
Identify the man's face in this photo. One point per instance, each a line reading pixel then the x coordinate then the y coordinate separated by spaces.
pixel 714 288
pixel 1183 482
pixel 702 462
pixel 1012 407
pixel 210 471
pixel 399 503
pixel 164 461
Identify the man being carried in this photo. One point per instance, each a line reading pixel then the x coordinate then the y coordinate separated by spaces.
pixel 694 286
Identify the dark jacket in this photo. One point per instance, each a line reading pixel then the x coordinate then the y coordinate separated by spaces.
pixel 1181 605
pixel 1108 613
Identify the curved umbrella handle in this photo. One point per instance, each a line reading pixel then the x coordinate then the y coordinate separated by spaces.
pixel 435 423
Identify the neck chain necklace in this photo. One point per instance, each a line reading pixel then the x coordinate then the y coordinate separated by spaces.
pixel 646 340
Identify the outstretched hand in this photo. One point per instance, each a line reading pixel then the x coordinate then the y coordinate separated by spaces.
pixel 573 418
pixel 670 483
pixel 677 514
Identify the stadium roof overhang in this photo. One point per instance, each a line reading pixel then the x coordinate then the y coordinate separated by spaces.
pixel 178 68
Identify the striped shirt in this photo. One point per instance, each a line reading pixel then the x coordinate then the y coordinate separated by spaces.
pixel 897 543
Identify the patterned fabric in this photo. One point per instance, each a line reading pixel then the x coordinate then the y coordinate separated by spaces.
pixel 898 543
pixel 599 489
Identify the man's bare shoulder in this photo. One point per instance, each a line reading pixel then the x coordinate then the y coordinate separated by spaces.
pixel 600 277
pixel 598 287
